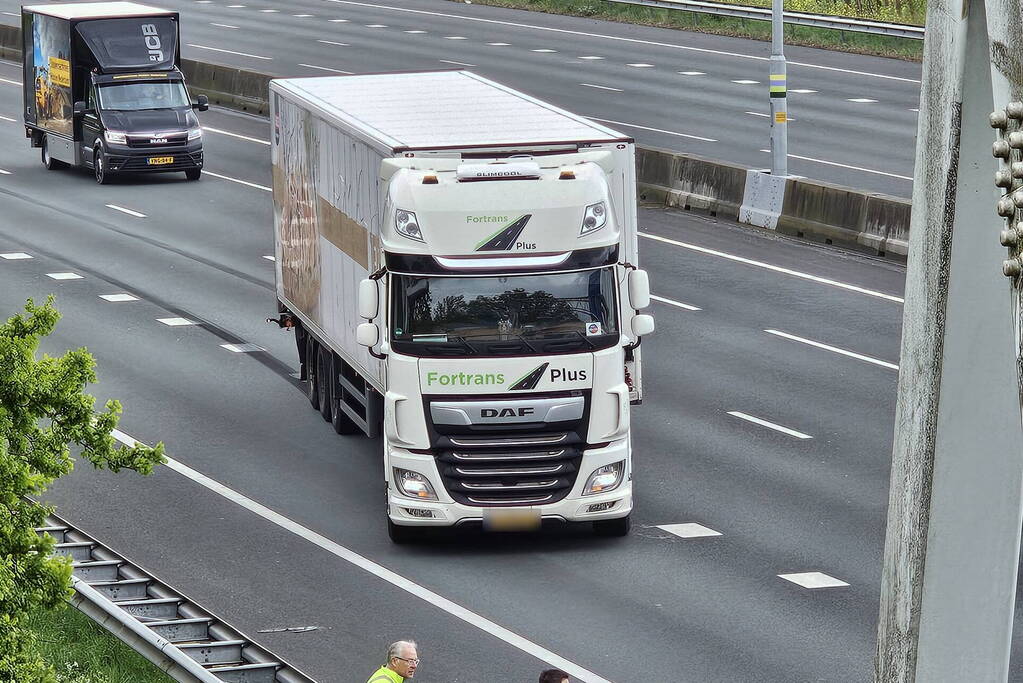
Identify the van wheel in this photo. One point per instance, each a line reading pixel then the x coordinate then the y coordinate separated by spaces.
pixel 49 162
pixel 341 423
pixel 311 390
pixel 401 535
pixel 99 166
pixel 323 381
pixel 613 527
pixel 193 173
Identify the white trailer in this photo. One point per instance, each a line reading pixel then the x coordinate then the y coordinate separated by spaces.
pixel 459 261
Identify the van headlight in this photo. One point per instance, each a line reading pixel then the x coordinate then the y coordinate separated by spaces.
pixel 604 479
pixel 413 484
pixel 195 133
pixel 594 218
pixel 406 223
pixel 115 138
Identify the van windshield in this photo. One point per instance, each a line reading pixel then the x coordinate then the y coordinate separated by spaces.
pixel 138 96
pixel 504 316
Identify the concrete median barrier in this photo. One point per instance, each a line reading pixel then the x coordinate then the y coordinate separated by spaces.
pixel 228 86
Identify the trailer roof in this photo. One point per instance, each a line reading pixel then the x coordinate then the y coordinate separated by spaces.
pixel 444 109
pixel 96 10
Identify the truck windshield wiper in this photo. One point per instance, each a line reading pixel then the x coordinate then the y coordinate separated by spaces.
pixel 585 339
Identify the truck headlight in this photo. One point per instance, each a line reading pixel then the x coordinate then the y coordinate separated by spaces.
pixel 604 479
pixel 406 223
pixel 115 138
pixel 413 484
pixel 195 133
pixel 594 218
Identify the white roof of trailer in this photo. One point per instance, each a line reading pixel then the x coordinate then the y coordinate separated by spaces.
pixel 95 10
pixel 420 110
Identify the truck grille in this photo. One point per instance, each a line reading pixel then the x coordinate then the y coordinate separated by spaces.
pixel 509 469
pixel 158 141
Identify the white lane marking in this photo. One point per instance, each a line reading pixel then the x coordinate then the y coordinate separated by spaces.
pixel 590 57
pixel 234 135
pixel 270 258
pixel 10 14
pixel 222 25
pixel 397 580
pixel 339 21
pixel 269 11
pixel 130 212
pixel 242 348
pixel 240 182
pixel 9 81
pixel 834 349
pixel 655 130
pixel 323 68
pixel 746 81
pixel 414 32
pixel 175 322
pixel 230 52
pixel 777 269
pixel 689 530
pixel 601 87
pixel 499 44
pixel 235 6
pixel 813 580
pixel 448 61
pixel 860 100
pixel 4 172
pixel 770 425
pixel 766 116
pixel 544 50
pixel 916 110
pixel 118 297
pixel 7 118
pixel 376 25
pixel 852 168
pixel 15 256
pixel 303 16
pixel 621 39
pixel 333 42
pixel 64 276
pixel 672 302
pixel 802 91
pixel 641 65
pixel 455 38
pixel 693 73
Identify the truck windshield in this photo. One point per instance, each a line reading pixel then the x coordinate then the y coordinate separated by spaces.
pixel 504 316
pixel 138 96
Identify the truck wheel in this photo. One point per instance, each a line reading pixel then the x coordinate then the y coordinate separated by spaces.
pixel 193 173
pixel 323 381
pixel 613 527
pixel 311 390
pixel 49 162
pixel 401 535
pixel 341 423
pixel 99 165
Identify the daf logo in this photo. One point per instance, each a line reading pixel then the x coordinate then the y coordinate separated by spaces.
pixel 157 141
pixel 506 412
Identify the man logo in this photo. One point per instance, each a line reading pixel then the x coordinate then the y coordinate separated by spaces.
pixel 157 141
pixel 506 412
pixel 153 44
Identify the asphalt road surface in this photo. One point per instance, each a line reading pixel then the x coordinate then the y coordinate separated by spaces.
pixel 854 117
pixel 768 422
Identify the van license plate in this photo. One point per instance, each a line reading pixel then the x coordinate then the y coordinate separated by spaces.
pixel 159 161
pixel 496 519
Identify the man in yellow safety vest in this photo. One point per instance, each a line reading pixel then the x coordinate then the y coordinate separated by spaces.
pixel 402 661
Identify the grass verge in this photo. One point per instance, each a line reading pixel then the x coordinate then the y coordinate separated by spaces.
pixel 846 41
pixel 81 651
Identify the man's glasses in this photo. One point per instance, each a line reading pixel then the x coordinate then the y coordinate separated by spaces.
pixel 414 662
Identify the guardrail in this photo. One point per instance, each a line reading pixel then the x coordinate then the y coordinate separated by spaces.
pixel 800 18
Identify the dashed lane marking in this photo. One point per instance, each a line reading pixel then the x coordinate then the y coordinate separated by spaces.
pixel 230 52
pixel 321 68
pixel 4 171
pixel 851 168
pixel 601 87
pixel 770 425
pixel 240 182
pixel 641 65
pixel 654 130
pixel 772 267
pixel 175 322
pixel 860 100
pixel 455 38
pixel 590 57
pixel 8 81
pixel 130 212
pixel 333 42
pixel 64 276
pixel 15 256
pixel 115 298
pixel 270 258
pixel 237 135
pixel 397 580
pixel 449 61
pixel 813 580
pixel 545 50
pixel 834 349
pixel 689 530
pixel 7 118
pixel 746 81
pixel 223 25
pixel 672 302
pixel 242 348
pixel 693 73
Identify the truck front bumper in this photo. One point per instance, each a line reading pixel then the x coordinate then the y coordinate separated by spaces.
pixel 124 159
pixel 575 507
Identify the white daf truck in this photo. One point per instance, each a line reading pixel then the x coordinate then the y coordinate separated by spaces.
pixel 458 261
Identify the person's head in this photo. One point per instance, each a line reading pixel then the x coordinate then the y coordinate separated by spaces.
pixel 403 658
pixel 554 676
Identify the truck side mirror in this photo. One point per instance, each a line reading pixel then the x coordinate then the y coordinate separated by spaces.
pixel 642 325
pixel 202 103
pixel 79 110
pixel 639 289
pixel 367 334
pixel 369 300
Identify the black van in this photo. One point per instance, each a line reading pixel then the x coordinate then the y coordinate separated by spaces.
pixel 103 89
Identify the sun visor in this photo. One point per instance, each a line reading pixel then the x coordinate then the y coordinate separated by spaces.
pixel 131 43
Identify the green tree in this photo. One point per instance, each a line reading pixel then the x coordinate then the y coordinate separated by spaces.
pixel 43 410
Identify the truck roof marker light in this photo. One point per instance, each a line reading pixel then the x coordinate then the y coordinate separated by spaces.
pixel 566 174
pixel 430 179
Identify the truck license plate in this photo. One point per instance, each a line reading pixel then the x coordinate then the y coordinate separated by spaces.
pixel 496 519
pixel 159 161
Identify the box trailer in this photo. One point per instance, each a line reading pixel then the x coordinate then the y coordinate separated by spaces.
pixel 459 262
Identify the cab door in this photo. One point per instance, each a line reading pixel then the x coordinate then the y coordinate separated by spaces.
pixel 92 129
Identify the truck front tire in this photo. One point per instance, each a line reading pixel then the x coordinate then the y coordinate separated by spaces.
pixel 99 166
pixel 193 173
pixel 613 528
pixel 401 535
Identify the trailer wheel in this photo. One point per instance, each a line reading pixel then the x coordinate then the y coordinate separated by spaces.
pixel 311 390
pixel 613 527
pixel 401 535
pixel 341 423
pixel 99 166
pixel 323 381
pixel 49 162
